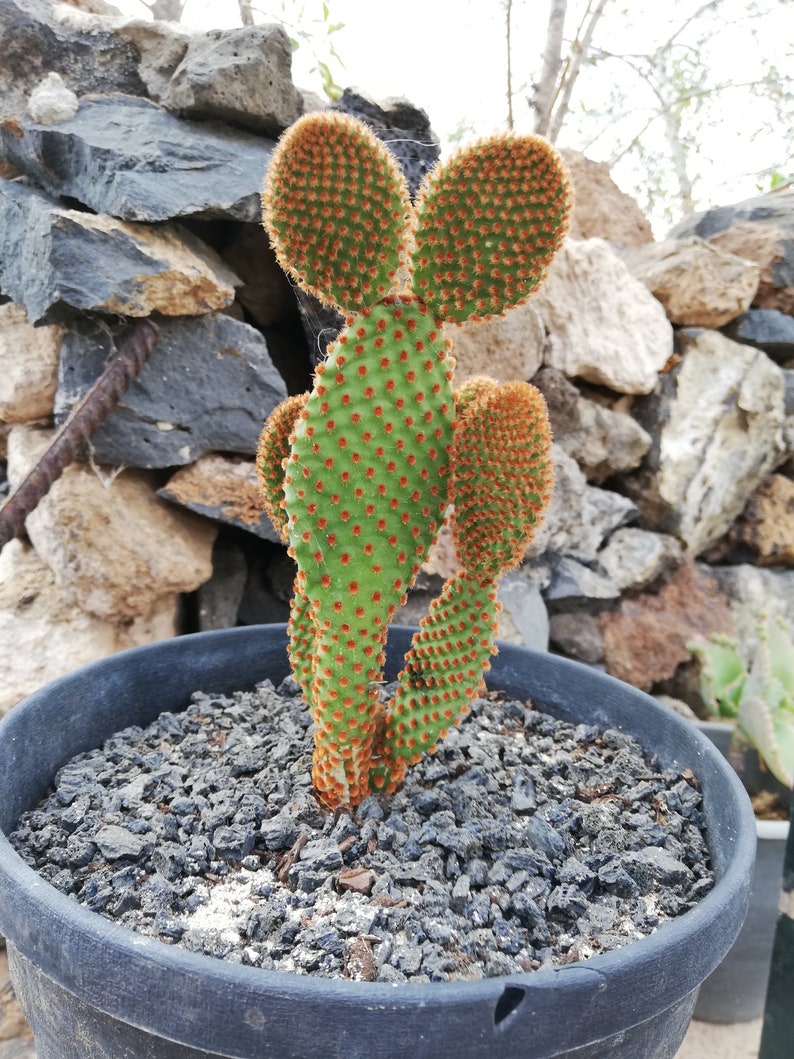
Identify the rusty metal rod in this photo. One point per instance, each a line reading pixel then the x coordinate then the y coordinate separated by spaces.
pixel 92 411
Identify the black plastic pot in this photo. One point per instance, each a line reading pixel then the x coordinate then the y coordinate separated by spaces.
pixel 93 989
pixel 736 990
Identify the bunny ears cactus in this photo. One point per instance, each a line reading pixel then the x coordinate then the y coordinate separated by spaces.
pixel 358 475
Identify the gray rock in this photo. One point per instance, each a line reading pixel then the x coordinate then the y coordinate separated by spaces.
pixel 752 592
pixel 243 76
pixel 18 1049
pixel 234 841
pixel 132 159
pixel 717 424
pixel 34 41
pixel 524 607
pixel 115 841
pixel 575 585
pixel 322 855
pixel 219 598
pixel 265 293
pixel 580 516
pixel 666 868
pixel 636 559
pixel 602 441
pixel 788 394
pixel 56 258
pixel 208 385
pixel 765 209
pixel 788 404
pixel 578 635
pixel 767 329
pixel 161 46
pixel 268 590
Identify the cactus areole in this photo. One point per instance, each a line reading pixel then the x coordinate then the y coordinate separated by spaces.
pixel 360 474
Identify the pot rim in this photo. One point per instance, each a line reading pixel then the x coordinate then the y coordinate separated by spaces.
pixel 34 916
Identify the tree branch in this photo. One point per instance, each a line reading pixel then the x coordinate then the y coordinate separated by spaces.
pixel 579 49
pixel 544 92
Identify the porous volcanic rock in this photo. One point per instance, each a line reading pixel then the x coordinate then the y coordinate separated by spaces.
pixel 604 325
pixel 243 76
pixel 698 283
pixel 224 488
pixel 760 229
pixel 717 424
pixel 600 209
pixel 50 634
pixel 35 41
pixel 645 638
pixel 28 366
pixel 115 547
pixel 764 532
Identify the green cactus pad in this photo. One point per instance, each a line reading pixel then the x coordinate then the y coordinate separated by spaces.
pixel 301 638
pixel 769 727
pixel 443 668
pixel 722 674
pixel 766 708
pixel 502 474
pixel 781 656
pixel 366 487
pixel 489 221
pixel 271 454
pixel 335 207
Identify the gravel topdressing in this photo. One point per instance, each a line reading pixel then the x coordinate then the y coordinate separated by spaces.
pixel 524 842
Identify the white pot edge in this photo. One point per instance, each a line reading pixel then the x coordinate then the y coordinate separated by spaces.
pixel 777 830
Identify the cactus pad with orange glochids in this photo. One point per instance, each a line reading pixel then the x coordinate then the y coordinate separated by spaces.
pixel 360 475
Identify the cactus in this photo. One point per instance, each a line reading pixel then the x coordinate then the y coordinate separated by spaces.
pixel 359 475
pixel 758 697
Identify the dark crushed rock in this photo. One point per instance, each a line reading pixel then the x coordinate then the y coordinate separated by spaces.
pixel 524 842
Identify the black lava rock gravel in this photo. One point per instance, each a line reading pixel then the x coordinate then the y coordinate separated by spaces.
pixel 524 842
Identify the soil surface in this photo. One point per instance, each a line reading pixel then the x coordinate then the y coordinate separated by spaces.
pixel 524 842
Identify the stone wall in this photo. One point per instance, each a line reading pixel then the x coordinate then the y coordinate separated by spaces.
pixel 129 188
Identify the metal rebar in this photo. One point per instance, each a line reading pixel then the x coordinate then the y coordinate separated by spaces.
pixel 92 411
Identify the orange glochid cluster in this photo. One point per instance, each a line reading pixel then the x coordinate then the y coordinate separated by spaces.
pixel 336 210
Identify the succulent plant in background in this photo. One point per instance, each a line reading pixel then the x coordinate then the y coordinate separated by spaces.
pixel 360 474
pixel 758 697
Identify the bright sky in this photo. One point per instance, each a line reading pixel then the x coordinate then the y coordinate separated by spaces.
pixel 448 56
